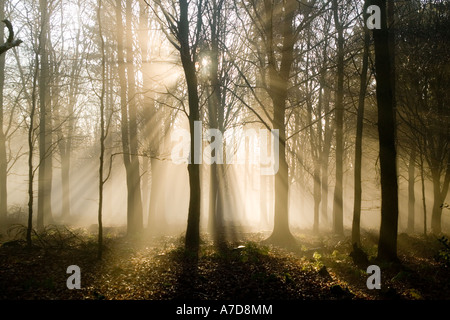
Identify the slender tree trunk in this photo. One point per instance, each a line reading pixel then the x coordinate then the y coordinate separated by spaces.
pixel 315 138
pixel 317 196
pixel 424 202
pixel 30 153
pixel 264 198
pixel 143 41
pixel 123 104
pixel 101 181
pixel 411 195
pixel 3 158
pixel 152 204
pixel 66 155
pixel 356 238
pixel 328 134
pixel 65 181
pixel 387 248
pixel 151 132
pixel 214 104
pixel 192 241
pixel 45 128
pixel 338 214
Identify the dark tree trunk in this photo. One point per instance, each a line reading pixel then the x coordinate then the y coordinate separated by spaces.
pixel 436 212
pixel 338 203
pixel 440 190
pixel 411 195
pixel 356 238
pixel 216 122
pixel 192 240
pixel 424 200
pixel 327 134
pixel 279 82
pixel 30 153
pixel 387 247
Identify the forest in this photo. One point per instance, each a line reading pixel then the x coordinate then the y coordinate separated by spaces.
pixel 224 150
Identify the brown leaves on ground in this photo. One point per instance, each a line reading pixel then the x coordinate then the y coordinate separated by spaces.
pixel 159 268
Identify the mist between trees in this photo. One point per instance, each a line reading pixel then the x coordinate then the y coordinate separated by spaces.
pixel 92 94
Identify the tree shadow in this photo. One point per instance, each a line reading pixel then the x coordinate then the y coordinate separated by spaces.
pixel 187 275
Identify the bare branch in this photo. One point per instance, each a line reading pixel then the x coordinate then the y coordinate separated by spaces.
pixel 10 43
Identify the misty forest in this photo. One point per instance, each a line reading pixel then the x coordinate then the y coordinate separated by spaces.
pixel 224 149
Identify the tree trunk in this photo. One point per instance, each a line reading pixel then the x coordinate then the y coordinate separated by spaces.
pixel 436 212
pixel 134 217
pixel 216 122
pixel 317 196
pixel 279 82
pixel 128 123
pixel 156 217
pixel 411 196
pixel 101 181
pixel 192 241
pixel 66 154
pixel 264 198
pixel 3 159
pixel 387 247
pixel 424 202
pixel 356 238
pixel 65 181
pixel 30 153
pixel 44 214
pixel 338 214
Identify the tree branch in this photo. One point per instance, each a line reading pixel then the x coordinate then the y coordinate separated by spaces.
pixel 10 43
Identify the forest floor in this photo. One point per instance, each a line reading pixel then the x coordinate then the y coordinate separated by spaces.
pixel 158 268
